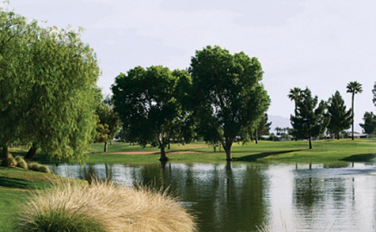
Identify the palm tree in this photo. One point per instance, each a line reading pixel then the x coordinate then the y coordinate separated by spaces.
pixel 295 94
pixel 353 87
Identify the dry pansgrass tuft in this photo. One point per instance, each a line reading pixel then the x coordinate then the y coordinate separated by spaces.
pixel 12 161
pixel 39 167
pixel 21 162
pixel 110 207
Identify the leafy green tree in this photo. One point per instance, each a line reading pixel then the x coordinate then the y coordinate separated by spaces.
pixel 340 118
pixel 369 125
pixel 227 98
pixel 295 95
pixel 353 87
pixel 263 127
pixel 49 79
pixel 310 119
pixel 108 124
pixel 15 60
pixel 146 100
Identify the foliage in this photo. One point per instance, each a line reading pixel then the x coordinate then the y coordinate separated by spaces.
pixel 340 118
pixel 227 98
pixel 353 87
pixel 369 125
pixel 310 119
pixel 148 105
pixel 47 81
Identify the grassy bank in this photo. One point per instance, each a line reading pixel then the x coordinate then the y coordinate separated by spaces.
pixel 324 151
pixel 15 185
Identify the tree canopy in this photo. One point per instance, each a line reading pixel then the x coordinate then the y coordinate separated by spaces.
pixel 148 105
pixel 340 118
pixel 48 78
pixel 227 97
pixel 310 118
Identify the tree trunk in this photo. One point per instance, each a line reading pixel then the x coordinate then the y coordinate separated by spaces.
pixel 105 147
pixel 4 156
pixel 337 136
pixel 32 151
pixel 352 111
pixel 310 142
pixel 163 153
pixel 256 136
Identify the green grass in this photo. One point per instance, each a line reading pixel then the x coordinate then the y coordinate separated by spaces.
pixel 15 185
pixel 324 151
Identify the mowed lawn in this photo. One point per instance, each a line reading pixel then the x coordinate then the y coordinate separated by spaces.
pixel 362 150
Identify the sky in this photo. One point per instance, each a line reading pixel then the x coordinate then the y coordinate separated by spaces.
pixel 319 44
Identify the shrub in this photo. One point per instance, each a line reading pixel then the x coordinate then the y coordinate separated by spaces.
pixel 105 207
pixel 39 167
pixel 43 168
pixel 21 162
pixel 34 166
pixel 12 161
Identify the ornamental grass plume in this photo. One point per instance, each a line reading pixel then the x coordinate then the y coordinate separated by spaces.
pixel 104 207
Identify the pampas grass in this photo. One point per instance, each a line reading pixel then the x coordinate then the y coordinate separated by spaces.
pixel 111 208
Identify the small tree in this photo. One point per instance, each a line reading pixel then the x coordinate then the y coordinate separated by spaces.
pixel 369 125
pixel 340 118
pixel 108 123
pixel 263 127
pixel 310 119
pixel 147 104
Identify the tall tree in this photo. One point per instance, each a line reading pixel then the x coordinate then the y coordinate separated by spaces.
pixel 340 118
pixel 295 95
pixel 369 125
pixel 146 100
pixel 227 96
pixel 310 119
pixel 108 123
pixel 353 87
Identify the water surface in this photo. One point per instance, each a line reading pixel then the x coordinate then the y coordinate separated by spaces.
pixel 245 196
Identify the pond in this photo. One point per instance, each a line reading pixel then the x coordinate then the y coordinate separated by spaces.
pixel 246 196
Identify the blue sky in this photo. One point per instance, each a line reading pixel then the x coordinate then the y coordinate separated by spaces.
pixel 320 44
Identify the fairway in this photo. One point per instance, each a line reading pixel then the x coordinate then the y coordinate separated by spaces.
pixel 362 150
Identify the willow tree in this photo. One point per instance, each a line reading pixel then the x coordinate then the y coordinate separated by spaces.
pixel 148 105
pixel 353 87
pixel 340 118
pixel 49 80
pixel 15 60
pixel 227 97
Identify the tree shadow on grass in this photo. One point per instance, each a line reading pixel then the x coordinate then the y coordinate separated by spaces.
pixel 18 183
pixel 255 157
pixel 360 158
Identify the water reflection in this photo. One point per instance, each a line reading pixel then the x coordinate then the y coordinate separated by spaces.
pixel 243 196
